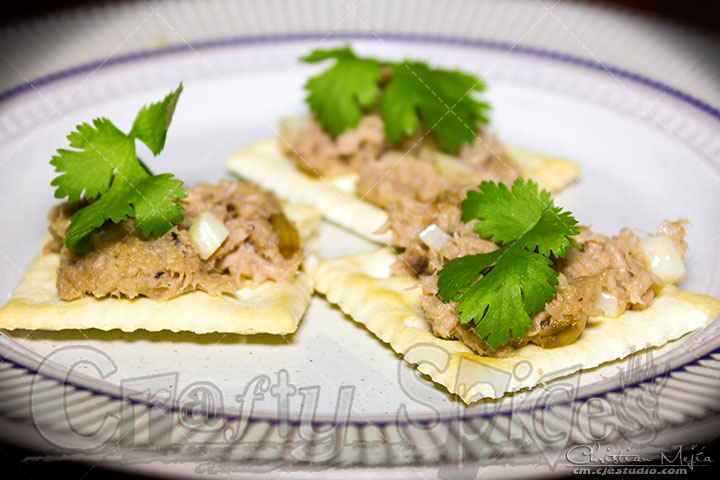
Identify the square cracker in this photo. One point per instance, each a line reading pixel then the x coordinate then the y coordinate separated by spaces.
pixel 390 307
pixel 271 307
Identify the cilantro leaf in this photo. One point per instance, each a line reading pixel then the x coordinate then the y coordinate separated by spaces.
pixel 499 291
pixel 103 148
pixel 442 99
pixel 137 194
pixel 497 297
pixel 152 122
pixel 112 205
pixel 525 215
pixel 105 170
pixel 155 213
pixel 339 95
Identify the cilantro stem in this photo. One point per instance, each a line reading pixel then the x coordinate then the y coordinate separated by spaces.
pixel 144 165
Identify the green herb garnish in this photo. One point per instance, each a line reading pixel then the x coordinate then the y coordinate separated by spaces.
pixel 441 99
pixel 105 170
pixel 499 290
pixel 339 95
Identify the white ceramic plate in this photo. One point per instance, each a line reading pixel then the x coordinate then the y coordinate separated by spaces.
pixel 648 152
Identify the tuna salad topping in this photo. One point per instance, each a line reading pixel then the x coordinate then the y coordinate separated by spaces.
pixel 103 170
pixel 611 268
pixel 389 127
pixel 385 175
pixel 599 275
pixel 124 231
pixel 408 96
pixel 262 244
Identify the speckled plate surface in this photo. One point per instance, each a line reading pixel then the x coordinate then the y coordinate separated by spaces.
pixel 644 127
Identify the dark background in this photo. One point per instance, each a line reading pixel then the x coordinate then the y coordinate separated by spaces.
pixel 699 14
pixel 704 14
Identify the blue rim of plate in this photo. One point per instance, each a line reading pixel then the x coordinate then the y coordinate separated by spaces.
pixel 442 39
pixel 308 36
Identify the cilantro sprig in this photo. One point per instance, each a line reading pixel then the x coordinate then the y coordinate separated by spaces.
pixel 105 170
pixel 442 100
pixel 339 95
pixel 499 291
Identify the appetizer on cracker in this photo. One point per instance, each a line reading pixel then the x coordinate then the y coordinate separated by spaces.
pixel 504 278
pixel 134 250
pixel 386 132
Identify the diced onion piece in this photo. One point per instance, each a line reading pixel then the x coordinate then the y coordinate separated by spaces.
pixel 663 258
pixel 207 234
pixel 434 237
pixel 608 304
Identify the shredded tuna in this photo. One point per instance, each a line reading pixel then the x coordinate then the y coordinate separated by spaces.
pixel 387 174
pixel 316 153
pixel 121 263
pixel 395 178
pixel 614 265
pixel 676 232
pixel 486 155
pixel 406 220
